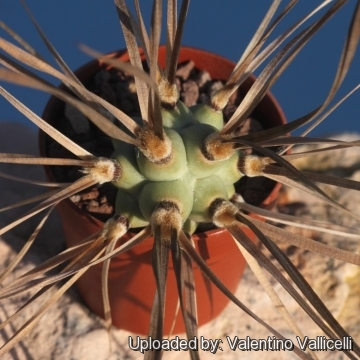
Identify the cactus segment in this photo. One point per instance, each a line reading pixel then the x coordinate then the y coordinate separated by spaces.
pixel 206 191
pixel 177 191
pixel 178 118
pixel 173 169
pixel 128 206
pixel 230 191
pixel 189 226
pixel 204 114
pixel 229 173
pixel 198 164
pixel 131 179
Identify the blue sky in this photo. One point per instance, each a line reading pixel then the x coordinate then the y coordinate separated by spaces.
pixel 223 27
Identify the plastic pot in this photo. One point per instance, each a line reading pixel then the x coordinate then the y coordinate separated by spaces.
pixel 131 279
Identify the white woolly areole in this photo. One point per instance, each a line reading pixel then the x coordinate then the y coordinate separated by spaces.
pixel 103 170
pixel 155 149
pixel 253 165
pixel 217 148
pixel 167 219
pixel 115 228
pixel 224 215
pixel 237 198
pixel 169 93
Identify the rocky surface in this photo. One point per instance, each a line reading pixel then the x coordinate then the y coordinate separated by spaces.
pixel 69 331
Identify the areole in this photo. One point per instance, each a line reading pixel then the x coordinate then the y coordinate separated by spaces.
pixel 131 280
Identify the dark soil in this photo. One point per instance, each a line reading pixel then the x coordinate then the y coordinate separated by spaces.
pixel 118 88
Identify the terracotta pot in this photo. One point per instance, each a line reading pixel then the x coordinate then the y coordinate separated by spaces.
pixel 131 280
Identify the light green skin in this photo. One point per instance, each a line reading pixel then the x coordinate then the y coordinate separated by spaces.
pixel 174 169
pixel 189 179
pixel 204 114
pixel 179 117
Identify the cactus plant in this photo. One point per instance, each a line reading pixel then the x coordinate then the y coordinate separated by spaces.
pixel 176 167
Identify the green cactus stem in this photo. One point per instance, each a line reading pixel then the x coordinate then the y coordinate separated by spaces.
pixel 186 177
